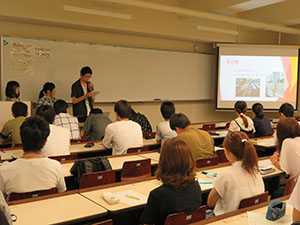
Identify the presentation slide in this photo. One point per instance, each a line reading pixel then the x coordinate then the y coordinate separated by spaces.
pixel 270 80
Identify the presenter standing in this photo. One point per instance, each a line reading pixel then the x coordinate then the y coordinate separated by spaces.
pixel 83 94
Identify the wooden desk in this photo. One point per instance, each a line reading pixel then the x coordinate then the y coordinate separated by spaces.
pixel 66 208
pixel 240 217
pixel 154 156
pixel 265 142
pixel 8 154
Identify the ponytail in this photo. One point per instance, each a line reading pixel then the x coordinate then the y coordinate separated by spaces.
pixel 41 94
pixel 239 145
pixel 244 120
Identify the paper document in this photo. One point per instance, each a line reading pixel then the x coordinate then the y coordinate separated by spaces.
pixel 131 198
pixel 260 219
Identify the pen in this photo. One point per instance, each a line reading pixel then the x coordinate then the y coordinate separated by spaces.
pixel 205 182
pixel 133 197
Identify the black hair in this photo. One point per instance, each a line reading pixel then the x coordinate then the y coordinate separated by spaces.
pixel 241 108
pixel 85 70
pixel 179 120
pixel 10 90
pixel 34 132
pixel 19 109
pixel 123 109
pixel 96 111
pixel 287 109
pixel 60 106
pixel 167 109
pixel 47 87
pixel 258 109
pixel 47 112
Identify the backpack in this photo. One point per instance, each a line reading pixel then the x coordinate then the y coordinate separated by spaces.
pixel 81 167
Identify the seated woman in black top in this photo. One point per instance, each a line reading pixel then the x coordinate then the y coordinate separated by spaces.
pixel 180 191
pixel 262 124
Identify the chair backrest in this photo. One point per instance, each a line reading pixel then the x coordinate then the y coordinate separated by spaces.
pixel 62 158
pixel 209 126
pixel 138 149
pixel 136 169
pixel 246 202
pixel 78 141
pixel 269 134
pixel 182 218
pixel 207 162
pixel 149 135
pixel 290 185
pixel 17 196
pixel 221 155
pixel 106 222
pixel 97 178
pixel 227 125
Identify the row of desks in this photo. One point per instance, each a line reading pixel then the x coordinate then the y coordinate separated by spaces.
pixel 88 203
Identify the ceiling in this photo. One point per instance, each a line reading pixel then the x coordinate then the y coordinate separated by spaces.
pixel 189 20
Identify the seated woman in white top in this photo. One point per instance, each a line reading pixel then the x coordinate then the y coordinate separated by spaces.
pixel 242 122
pixel 32 172
pixel 287 157
pixel 58 142
pixel 294 201
pixel 241 181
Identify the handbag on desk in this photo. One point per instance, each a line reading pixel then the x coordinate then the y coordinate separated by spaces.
pixel 276 210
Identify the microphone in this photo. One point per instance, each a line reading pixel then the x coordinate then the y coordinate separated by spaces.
pixel 90 86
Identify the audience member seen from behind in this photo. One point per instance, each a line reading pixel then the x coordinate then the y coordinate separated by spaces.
pixel 58 142
pixel 163 129
pixel 63 119
pixel 287 156
pixel 241 181
pixel 12 91
pixel 32 172
pixel 46 96
pixel 180 191
pixel 286 110
pixel 141 119
pixel 262 124
pixel 95 125
pixel 242 122
pixel 294 201
pixel 12 127
pixel 123 133
pixel 199 141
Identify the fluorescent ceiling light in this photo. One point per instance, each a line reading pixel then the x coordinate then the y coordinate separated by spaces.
pixel 96 12
pixel 218 30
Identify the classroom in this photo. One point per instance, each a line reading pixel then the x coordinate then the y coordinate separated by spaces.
pixel 145 52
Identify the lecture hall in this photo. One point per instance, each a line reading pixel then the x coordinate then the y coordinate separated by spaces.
pixel 130 112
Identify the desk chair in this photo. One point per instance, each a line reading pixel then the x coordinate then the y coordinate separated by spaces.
pixel 62 158
pixel 291 183
pixel 209 126
pixel 17 196
pixel 97 178
pixel 106 222
pixel 251 135
pixel 149 135
pixel 136 169
pixel 222 157
pixel 227 125
pixel 82 140
pixel 182 218
pixel 138 149
pixel 269 134
pixel 246 202
pixel 207 162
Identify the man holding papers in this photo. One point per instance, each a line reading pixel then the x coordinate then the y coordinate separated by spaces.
pixel 83 94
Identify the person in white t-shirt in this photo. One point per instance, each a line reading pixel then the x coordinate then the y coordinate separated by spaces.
pixel 241 181
pixel 163 129
pixel 242 122
pixel 58 142
pixel 287 157
pixel 294 201
pixel 123 133
pixel 32 172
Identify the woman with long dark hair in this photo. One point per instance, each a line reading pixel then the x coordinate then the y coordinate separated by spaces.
pixel 261 123
pixel 12 91
pixel 180 191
